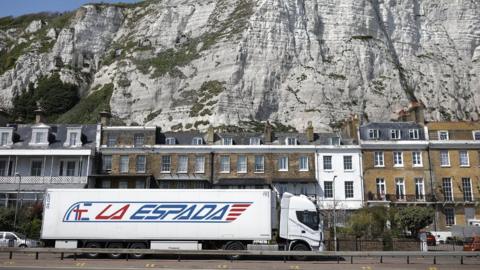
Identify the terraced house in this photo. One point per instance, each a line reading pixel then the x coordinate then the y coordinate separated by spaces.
pixel 38 156
pixel 455 165
pixel 396 167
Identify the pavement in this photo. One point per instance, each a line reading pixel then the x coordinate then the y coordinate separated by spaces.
pixel 51 261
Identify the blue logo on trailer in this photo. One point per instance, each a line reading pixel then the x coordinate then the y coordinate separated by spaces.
pixel 171 212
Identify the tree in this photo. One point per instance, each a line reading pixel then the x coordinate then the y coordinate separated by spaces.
pixel 414 218
pixel 370 222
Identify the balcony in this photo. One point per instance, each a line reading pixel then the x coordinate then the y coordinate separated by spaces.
pixel 408 198
pixel 44 180
pixel 457 200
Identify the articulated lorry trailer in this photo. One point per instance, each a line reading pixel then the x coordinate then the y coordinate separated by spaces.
pixel 188 219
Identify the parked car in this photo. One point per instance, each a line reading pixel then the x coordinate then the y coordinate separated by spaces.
pixel 431 241
pixel 15 239
pixel 471 244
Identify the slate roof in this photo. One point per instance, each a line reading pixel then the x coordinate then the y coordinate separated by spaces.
pixel 22 135
pixel 385 128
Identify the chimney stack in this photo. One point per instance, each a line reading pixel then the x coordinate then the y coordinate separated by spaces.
pixel 210 135
pixel 268 133
pixel 309 132
pixel 105 118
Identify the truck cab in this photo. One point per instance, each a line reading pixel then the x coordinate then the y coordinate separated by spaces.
pixel 300 223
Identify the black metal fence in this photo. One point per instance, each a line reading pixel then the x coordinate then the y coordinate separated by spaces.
pixel 388 245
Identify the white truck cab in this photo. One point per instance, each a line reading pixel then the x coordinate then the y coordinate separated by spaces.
pixel 300 223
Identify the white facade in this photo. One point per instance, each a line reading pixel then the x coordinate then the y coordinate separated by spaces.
pixel 339 174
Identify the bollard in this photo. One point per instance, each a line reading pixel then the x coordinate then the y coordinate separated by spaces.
pixel 461 259
pixel 178 258
pixel 11 255
pixel 381 259
pixel 434 259
pixel 338 259
pixel 75 256
pixel 408 259
pixel 351 259
pixel 36 255
pixel 126 257
pixel 284 259
pixel 61 256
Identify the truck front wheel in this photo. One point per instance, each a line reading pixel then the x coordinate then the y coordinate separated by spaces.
pixel 300 247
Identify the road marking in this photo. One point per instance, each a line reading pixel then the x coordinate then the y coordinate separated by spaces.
pixel 222 266
pixel 295 267
pixel 149 265
pixel 432 268
pixel 9 262
pixel 366 268
pixel 80 264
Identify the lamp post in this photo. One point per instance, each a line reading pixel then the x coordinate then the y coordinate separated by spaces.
pixel 16 202
pixel 334 214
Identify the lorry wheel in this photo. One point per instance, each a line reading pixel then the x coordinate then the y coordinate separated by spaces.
pixel 137 246
pixel 92 245
pixel 235 245
pixel 300 247
pixel 22 246
pixel 115 255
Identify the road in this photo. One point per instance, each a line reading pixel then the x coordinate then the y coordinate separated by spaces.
pixel 50 261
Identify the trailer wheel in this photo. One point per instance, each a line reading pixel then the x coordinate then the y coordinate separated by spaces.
pixel 92 245
pixel 234 245
pixel 137 246
pixel 115 255
pixel 300 247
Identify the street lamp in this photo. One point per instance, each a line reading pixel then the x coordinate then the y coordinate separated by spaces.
pixel 16 202
pixel 334 214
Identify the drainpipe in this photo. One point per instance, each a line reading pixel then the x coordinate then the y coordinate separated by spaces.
pixel 432 189
pixel 212 163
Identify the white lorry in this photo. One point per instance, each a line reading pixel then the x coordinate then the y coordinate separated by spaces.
pixel 180 219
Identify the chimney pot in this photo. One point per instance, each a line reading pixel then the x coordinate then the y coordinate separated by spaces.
pixel 268 133
pixel 309 132
pixel 210 135
pixel 39 116
pixel 105 118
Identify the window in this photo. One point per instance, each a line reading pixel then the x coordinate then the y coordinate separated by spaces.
pixel 476 135
pixel 227 141
pixel 124 164
pixel 259 164
pixel 291 141
pixel 348 189
pixel 73 138
pixel 39 137
pixel 347 163
pixel 139 183
pixel 141 162
pixel 443 135
pixel 380 188
pixel 182 164
pixel 414 134
pixel 166 164
pixel 255 141
pixel 303 163
pixel 197 141
pixel 107 162
pixel 467 189
pixel 242 164
pixel 36 168
pixel 328 189
pixel 3 167
pixel 400 189
pixel 5 137
pixel 334 140
pixel 309 218
pixel 170 140
pixel 283 163
pixel 327 163
pixel 447 189
pixel 123 184
pixel 449 216
pixel 138 139
pixel 373 133
pixel 417 159
pixel 395 134
pixel 379 159
pixel 106 183
pixel 464 160
pixel 111 140
pixel 199 164
pixel 398 159
pixel 444 158
pixel 419 189
pixel 70 170
pixel 224 164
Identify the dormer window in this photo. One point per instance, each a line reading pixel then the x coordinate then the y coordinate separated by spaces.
pixel 476 135
pixel 255 141
pixel 291 141
pixel 335 141
pixel 395 134
pixel 414 134
pixel 227 141
pixel 6 136
pixel 170 140
pixel 197 141
pixel 373 134
pixel 443 135
pixel 73 137
pixel 138 139
pixel 39 135
pixel 111 140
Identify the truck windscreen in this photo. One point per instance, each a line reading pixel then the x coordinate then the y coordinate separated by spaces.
pixel 309 218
